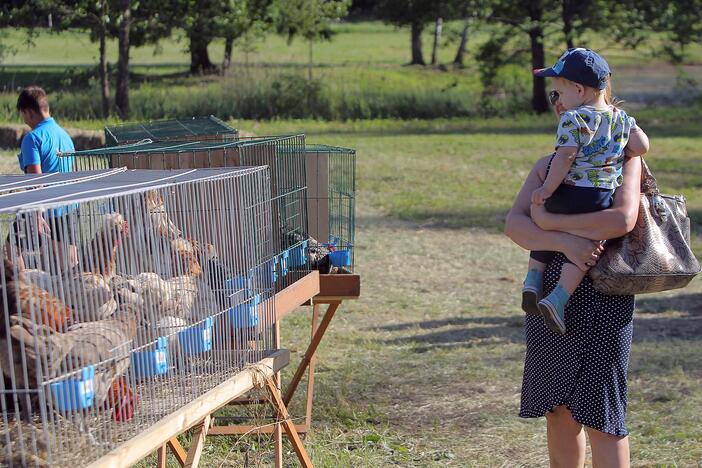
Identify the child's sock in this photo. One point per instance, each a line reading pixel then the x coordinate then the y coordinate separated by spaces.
pixel 553 309
pixel 532 291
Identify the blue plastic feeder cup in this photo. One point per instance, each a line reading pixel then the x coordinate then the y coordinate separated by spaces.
pixel 283 259
pixel 245 315
pixel 273 265
pixel 198 338
pixel 153 362
pixel 239 282
pixel 75 394
pixel 340 258
pixel 298 255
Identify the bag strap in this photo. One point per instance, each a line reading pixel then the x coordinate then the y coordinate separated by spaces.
pixel 649 186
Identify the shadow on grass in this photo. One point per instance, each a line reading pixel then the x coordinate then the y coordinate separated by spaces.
pixel 466 332
pixel 493 220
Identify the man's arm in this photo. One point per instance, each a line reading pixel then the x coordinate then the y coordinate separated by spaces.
pixel 33 169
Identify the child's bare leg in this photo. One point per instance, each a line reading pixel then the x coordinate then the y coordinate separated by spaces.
pixel 536 265
pixel 571 277
pixel 553 306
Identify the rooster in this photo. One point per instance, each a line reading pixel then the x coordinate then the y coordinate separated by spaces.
pixel 159 217
pixel 31 300
pixel 104 343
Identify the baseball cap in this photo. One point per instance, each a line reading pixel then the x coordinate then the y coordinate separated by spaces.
pixel 581 65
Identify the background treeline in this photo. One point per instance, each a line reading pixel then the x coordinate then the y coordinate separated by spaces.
pixel 493 45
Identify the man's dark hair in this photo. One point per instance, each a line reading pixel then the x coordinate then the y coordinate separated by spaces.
pixel 34 98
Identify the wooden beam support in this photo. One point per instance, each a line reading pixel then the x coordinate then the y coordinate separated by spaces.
pixel 310 369
pixel 138 447
pixel 178 450
pixel 197 443
pixel 162 459
pixel 250 430
pixel 311 349
pixel 287 424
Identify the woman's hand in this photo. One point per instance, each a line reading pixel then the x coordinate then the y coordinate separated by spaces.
pixel 584 253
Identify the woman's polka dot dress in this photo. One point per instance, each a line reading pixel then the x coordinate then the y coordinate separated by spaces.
pixel 586 368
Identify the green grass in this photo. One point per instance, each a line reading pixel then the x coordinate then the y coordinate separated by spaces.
pixel 359 75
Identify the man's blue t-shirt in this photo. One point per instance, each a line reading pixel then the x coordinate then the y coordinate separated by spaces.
pixel 41 145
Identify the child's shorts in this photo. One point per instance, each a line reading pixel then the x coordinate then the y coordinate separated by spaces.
pixel 571 199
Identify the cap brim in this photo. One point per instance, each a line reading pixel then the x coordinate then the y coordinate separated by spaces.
pixel 545 72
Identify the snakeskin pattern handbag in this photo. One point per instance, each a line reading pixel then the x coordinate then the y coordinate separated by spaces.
pixel 656 255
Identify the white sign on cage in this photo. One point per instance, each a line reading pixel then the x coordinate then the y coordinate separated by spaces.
pixel 126 295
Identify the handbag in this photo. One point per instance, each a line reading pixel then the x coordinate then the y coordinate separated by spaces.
pixel 656 255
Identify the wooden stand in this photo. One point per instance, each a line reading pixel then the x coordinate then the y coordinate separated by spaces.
pixel 332 291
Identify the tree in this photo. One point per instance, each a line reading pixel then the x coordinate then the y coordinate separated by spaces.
pixel 416 14
pixel 245 19
pixel 309 19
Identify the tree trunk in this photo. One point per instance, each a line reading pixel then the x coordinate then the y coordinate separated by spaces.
pixel 417 55
pixel 437 39
pixel 228 46
pixel 104 77
pixel 199 57
pixel 122 93
pixel 309 62
pixel 460 54
pixel 567 14
pixel 536 37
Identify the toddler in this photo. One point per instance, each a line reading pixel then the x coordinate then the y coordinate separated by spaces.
pixel 585 169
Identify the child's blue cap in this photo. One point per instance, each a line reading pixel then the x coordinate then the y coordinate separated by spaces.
pixel 583 66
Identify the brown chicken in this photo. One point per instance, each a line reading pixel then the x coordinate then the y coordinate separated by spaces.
pixel 41 353
pixel 28 300
pixel 100 256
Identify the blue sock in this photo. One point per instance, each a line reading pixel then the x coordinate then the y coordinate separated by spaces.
pixel 534 279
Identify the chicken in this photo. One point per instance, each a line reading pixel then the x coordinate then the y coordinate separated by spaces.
pixel 26 299
pixel 186 257
pixel 100 256
pixel 174 297
pixel 105 344
pixel 317 253
pixel 159 217
pixel 216 274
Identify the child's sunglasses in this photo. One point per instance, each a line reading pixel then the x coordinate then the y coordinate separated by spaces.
pixel 553 97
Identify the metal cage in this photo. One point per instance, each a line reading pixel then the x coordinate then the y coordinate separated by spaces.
pixel 284 155
pixel 331 192
pixel 195 129
pixel 126 295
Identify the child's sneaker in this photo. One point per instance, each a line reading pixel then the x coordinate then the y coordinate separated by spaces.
pixel 531 292
pixel 552 307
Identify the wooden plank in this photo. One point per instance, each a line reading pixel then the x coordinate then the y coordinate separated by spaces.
pixel 289 427
pixel 178 450
pixel 197 443
pixel 162 459
pixel 296 294
pixel 339 286
pixel 277 430
pixel 247 429
pixel 310 369
pixel 170 426
pixel 311 349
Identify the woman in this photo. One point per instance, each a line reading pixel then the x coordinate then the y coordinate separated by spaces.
pixel 578 379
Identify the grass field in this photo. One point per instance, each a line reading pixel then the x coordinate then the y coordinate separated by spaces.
pixel 353 77
pixel 425 369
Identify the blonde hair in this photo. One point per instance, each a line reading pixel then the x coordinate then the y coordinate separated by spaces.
pixel 610 98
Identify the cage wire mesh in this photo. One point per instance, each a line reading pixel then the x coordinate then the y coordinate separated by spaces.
pixel 284 155
pixel 148 289
pixel 194 129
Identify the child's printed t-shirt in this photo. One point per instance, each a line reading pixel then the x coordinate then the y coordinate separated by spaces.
pixel 600 136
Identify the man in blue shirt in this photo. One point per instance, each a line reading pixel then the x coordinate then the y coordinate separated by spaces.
pixel 39 154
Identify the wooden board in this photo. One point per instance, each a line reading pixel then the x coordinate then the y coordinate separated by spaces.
pixel 338 287
pixel 296 294
pixel 193 413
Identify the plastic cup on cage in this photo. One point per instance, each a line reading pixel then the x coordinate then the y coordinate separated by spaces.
pixel 245 315
pixel 152 362
pixel 75 394
pixel 341 257
pixel 298 255
pixel 283 261
pixel 198 338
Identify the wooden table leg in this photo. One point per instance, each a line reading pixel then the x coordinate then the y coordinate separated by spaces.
pixel 198 441
pixel 162 457
pixel 310 371
pixel 288 425
pixel 177 450
pixel 311 349
pixel 277 430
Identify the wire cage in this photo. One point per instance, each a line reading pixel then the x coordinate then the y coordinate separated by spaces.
pixel 331 189
pixel 284 155
pixel 126 296
pixel 195 129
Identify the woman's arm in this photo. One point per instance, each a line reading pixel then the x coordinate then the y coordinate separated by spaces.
pixel 606 224
pixel 521 229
